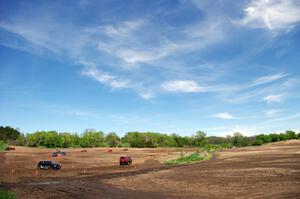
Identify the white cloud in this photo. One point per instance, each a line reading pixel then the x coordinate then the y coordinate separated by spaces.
pixel 267 79
pixel 134 53
pixel 146 95
pixel 123 29
pixel 183 86
pixel 273 112
pixel 274 98
pixel 122 44
pixel 274 15
pixel 291 117
pixel 246 130
pixel 224 116
pixel 91 71
pixel 79 113
pixel 126 43
pixel 258 88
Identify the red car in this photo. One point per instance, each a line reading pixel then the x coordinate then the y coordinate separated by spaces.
pixel 125 160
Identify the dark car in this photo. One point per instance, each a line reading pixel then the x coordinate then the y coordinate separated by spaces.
pixel 57 153
pixel 46 164
pixel 54 154
pixel 125 160
pixel 62 153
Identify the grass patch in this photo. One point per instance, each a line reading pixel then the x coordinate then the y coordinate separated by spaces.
pixel 3 145
pixel 187 159
pixel 6 194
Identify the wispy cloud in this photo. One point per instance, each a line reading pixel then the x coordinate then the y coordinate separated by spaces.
pixel 91 71
pixel 124 29
pixel 273 112
pixel 274 98
pixel 259 87
pixel 84 114
pixel 146 95
pixel 182 86
pixel 290 117
pixel 124 44
pixel 276 15
pixel 224 116
pixel 267 79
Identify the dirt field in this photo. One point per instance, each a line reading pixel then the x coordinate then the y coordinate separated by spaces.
pixel 269 171
pixel 21 164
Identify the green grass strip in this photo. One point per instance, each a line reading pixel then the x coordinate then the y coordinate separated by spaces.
pixel 6 194
pixel 187 159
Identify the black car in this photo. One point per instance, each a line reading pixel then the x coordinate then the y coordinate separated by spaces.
pixel 48 165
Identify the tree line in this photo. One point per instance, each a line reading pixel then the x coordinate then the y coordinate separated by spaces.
pixel 93 138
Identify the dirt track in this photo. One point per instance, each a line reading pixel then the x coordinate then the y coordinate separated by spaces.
pixel 269 171
pixel 21 164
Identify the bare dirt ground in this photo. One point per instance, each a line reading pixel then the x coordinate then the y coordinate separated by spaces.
pixel 269 171
pixel 21 164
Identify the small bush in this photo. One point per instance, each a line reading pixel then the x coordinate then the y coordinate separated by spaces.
pixel 187 159
pixel 258 142
pixel 3 145
pixel 6 194
pixel 212 147
pixel 124 145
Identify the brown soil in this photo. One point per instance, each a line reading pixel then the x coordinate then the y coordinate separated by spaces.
pixel 21 164
pixel 269 171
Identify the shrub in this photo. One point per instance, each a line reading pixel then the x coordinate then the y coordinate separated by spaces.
pixel 258 142
pixel 125 145
pixel 6 194
pixel 3 145
pixel 291 134
pixel 212 147
pixel 226 145
pixel 186 159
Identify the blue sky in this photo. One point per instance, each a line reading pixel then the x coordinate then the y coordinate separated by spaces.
pixel 164 66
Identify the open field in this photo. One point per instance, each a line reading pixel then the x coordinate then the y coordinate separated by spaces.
pixel 268 171
pixel 21 163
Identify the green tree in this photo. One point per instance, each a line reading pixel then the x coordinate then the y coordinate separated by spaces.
pixel 291 134
pixel 92 138
pixel 112 139
pixel 283 136
pixel 66 140
pixel 239 139
pixel 9 134
pixel 21 140
pixel 274 137
pixel 199 139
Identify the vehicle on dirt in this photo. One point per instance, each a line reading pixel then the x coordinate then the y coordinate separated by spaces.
pixel 54 154
pixel 46 164
pixel 125 160
pixel 58 153
pixel 9 148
